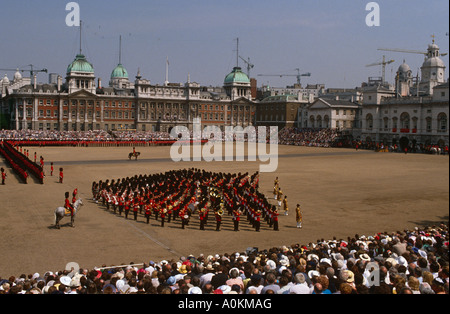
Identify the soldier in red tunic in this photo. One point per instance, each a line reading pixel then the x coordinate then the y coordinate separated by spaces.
pixel 236 219
pixel 163 214
pixel 74 195
pixel 136 206
pixel 128 201
pixel 3 176
pixel 148 212
pixel 202 217
pixel 67 204
pixel 275 218
pixel 219 215
pixel 258 220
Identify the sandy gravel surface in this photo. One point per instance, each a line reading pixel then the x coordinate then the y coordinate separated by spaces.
pixel 342 192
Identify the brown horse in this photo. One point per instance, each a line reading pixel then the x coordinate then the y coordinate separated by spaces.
pixel 135 155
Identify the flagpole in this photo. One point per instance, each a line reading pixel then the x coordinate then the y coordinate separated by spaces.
pixel 167 71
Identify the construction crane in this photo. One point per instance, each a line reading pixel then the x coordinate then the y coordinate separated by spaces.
pixel 298 76
pixel 426 53
pixel 32 71
pixel 249 65
pixel 383 64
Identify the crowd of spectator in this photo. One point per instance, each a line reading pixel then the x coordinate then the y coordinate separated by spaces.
pixel 32 135
pixel 392 148
pixel 307 137
pixel 402 262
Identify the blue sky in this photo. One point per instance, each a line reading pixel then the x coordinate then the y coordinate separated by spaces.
pixel 328 38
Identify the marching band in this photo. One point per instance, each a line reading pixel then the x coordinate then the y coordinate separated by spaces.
pixel 187 194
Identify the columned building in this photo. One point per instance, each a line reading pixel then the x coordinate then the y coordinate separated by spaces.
pixel 342 115
pixel 416 111
pixel 81 103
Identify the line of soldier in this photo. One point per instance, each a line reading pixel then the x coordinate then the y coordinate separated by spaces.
pixel 183 193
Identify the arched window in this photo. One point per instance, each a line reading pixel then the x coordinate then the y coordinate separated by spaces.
pixel 369 121
pixel 429 123
pixel 395 123
pixel 386 123
pixel 442 122
pixel 312 122
pixel 326 121
pixel 319 122
pixel 415 122
pixel 404 120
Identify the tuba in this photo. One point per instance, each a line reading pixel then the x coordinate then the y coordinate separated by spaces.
pixel 220 212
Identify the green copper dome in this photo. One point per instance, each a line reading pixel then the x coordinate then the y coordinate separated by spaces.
pixel 119 72
pixel 237 76
pixel 80 64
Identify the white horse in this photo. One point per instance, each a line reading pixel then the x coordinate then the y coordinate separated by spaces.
pixel 60 213
pixel 436 150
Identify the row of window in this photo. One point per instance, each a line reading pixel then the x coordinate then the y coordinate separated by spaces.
pixel 107 114
pixel 82 127
pixel 405 122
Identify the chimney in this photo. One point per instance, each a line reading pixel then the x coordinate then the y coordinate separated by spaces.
pixel 99 83
pixel 35 82
pixel 59 82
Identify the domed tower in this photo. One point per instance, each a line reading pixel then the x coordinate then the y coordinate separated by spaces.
pixel 237 84
pixel 80 75
pixel 433 69
pixel 4 83
pixel 119 76
pixel 17 76
pixel 404 80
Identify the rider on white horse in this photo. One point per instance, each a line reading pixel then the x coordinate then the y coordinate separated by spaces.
pixel 68 205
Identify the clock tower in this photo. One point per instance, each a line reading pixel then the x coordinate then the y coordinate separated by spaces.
pixel 433 69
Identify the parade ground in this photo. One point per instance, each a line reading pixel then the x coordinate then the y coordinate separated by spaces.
pixel 342 192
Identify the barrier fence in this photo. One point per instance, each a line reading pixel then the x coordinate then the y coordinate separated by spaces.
pixel 82 143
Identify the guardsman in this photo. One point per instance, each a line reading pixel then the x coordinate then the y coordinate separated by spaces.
pixel 121 203
pixel 127 205
pixel 136 206
pixel 108 198
pixel 148 211
pixel 218 215
pixel 169 213
pixel 299 216
pixel 115 201
pixel 67 204
pixel 276 185
pixel 163 214
pixel 285 206
pixel 74 195
pixel 51 169
pixel 3 176
pixel 184 217
pixel 275 218
pixel 176 207
pixel 279 196
pixel 236 218
pixel 257 220
pixel 202 217
pixel 61 174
